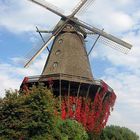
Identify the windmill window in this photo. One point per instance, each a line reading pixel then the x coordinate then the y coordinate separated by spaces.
pixel 57 52
pixel 55 64
pixel 60 41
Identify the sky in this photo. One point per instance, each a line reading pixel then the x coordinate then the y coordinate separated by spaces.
pixel 121 18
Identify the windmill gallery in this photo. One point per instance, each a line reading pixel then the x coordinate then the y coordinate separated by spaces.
pixel 67 70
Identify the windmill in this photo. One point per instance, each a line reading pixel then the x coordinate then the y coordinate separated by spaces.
pixel 67 70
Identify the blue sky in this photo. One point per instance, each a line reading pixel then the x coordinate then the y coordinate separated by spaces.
pixel 122 72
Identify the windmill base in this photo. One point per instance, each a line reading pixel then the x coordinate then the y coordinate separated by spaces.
pixel 87 101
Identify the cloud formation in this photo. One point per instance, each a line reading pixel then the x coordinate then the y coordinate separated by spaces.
pixel 12 74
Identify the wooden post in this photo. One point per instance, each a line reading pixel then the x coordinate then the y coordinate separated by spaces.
pixel 68 97
pixel 60 90
pixel 78 91
pixel 88 91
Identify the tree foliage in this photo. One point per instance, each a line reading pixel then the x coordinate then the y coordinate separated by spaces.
pixel 118 133
pixel 72 130
pixel 35 117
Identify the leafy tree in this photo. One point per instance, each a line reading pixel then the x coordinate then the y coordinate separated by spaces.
pixel 118 133
pixel 72 130
pixel 35 116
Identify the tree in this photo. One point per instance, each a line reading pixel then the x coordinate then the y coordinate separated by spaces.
pixel 118 133
pixel 35 116
pixel 72 130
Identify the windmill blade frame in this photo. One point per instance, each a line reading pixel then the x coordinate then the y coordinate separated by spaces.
pixel 87 5
pixel 97 38
pixel 104 34
pixel 109 43
pixel 47 6
pixel 39 51
pixel 42 37
pixel 46 44
pixel 77 8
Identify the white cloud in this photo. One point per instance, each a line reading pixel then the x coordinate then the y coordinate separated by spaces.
pixel 24 16
pixel 117 118
pixel 121 21
pixel 8 82
pixel 124 1
pixel 12 74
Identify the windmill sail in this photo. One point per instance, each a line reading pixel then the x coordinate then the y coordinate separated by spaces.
pixel 105 36
pixel 114 45
pixel 85 7
pixel 78 7
pixel 110 43
pixel 48 6
pixel 30 56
